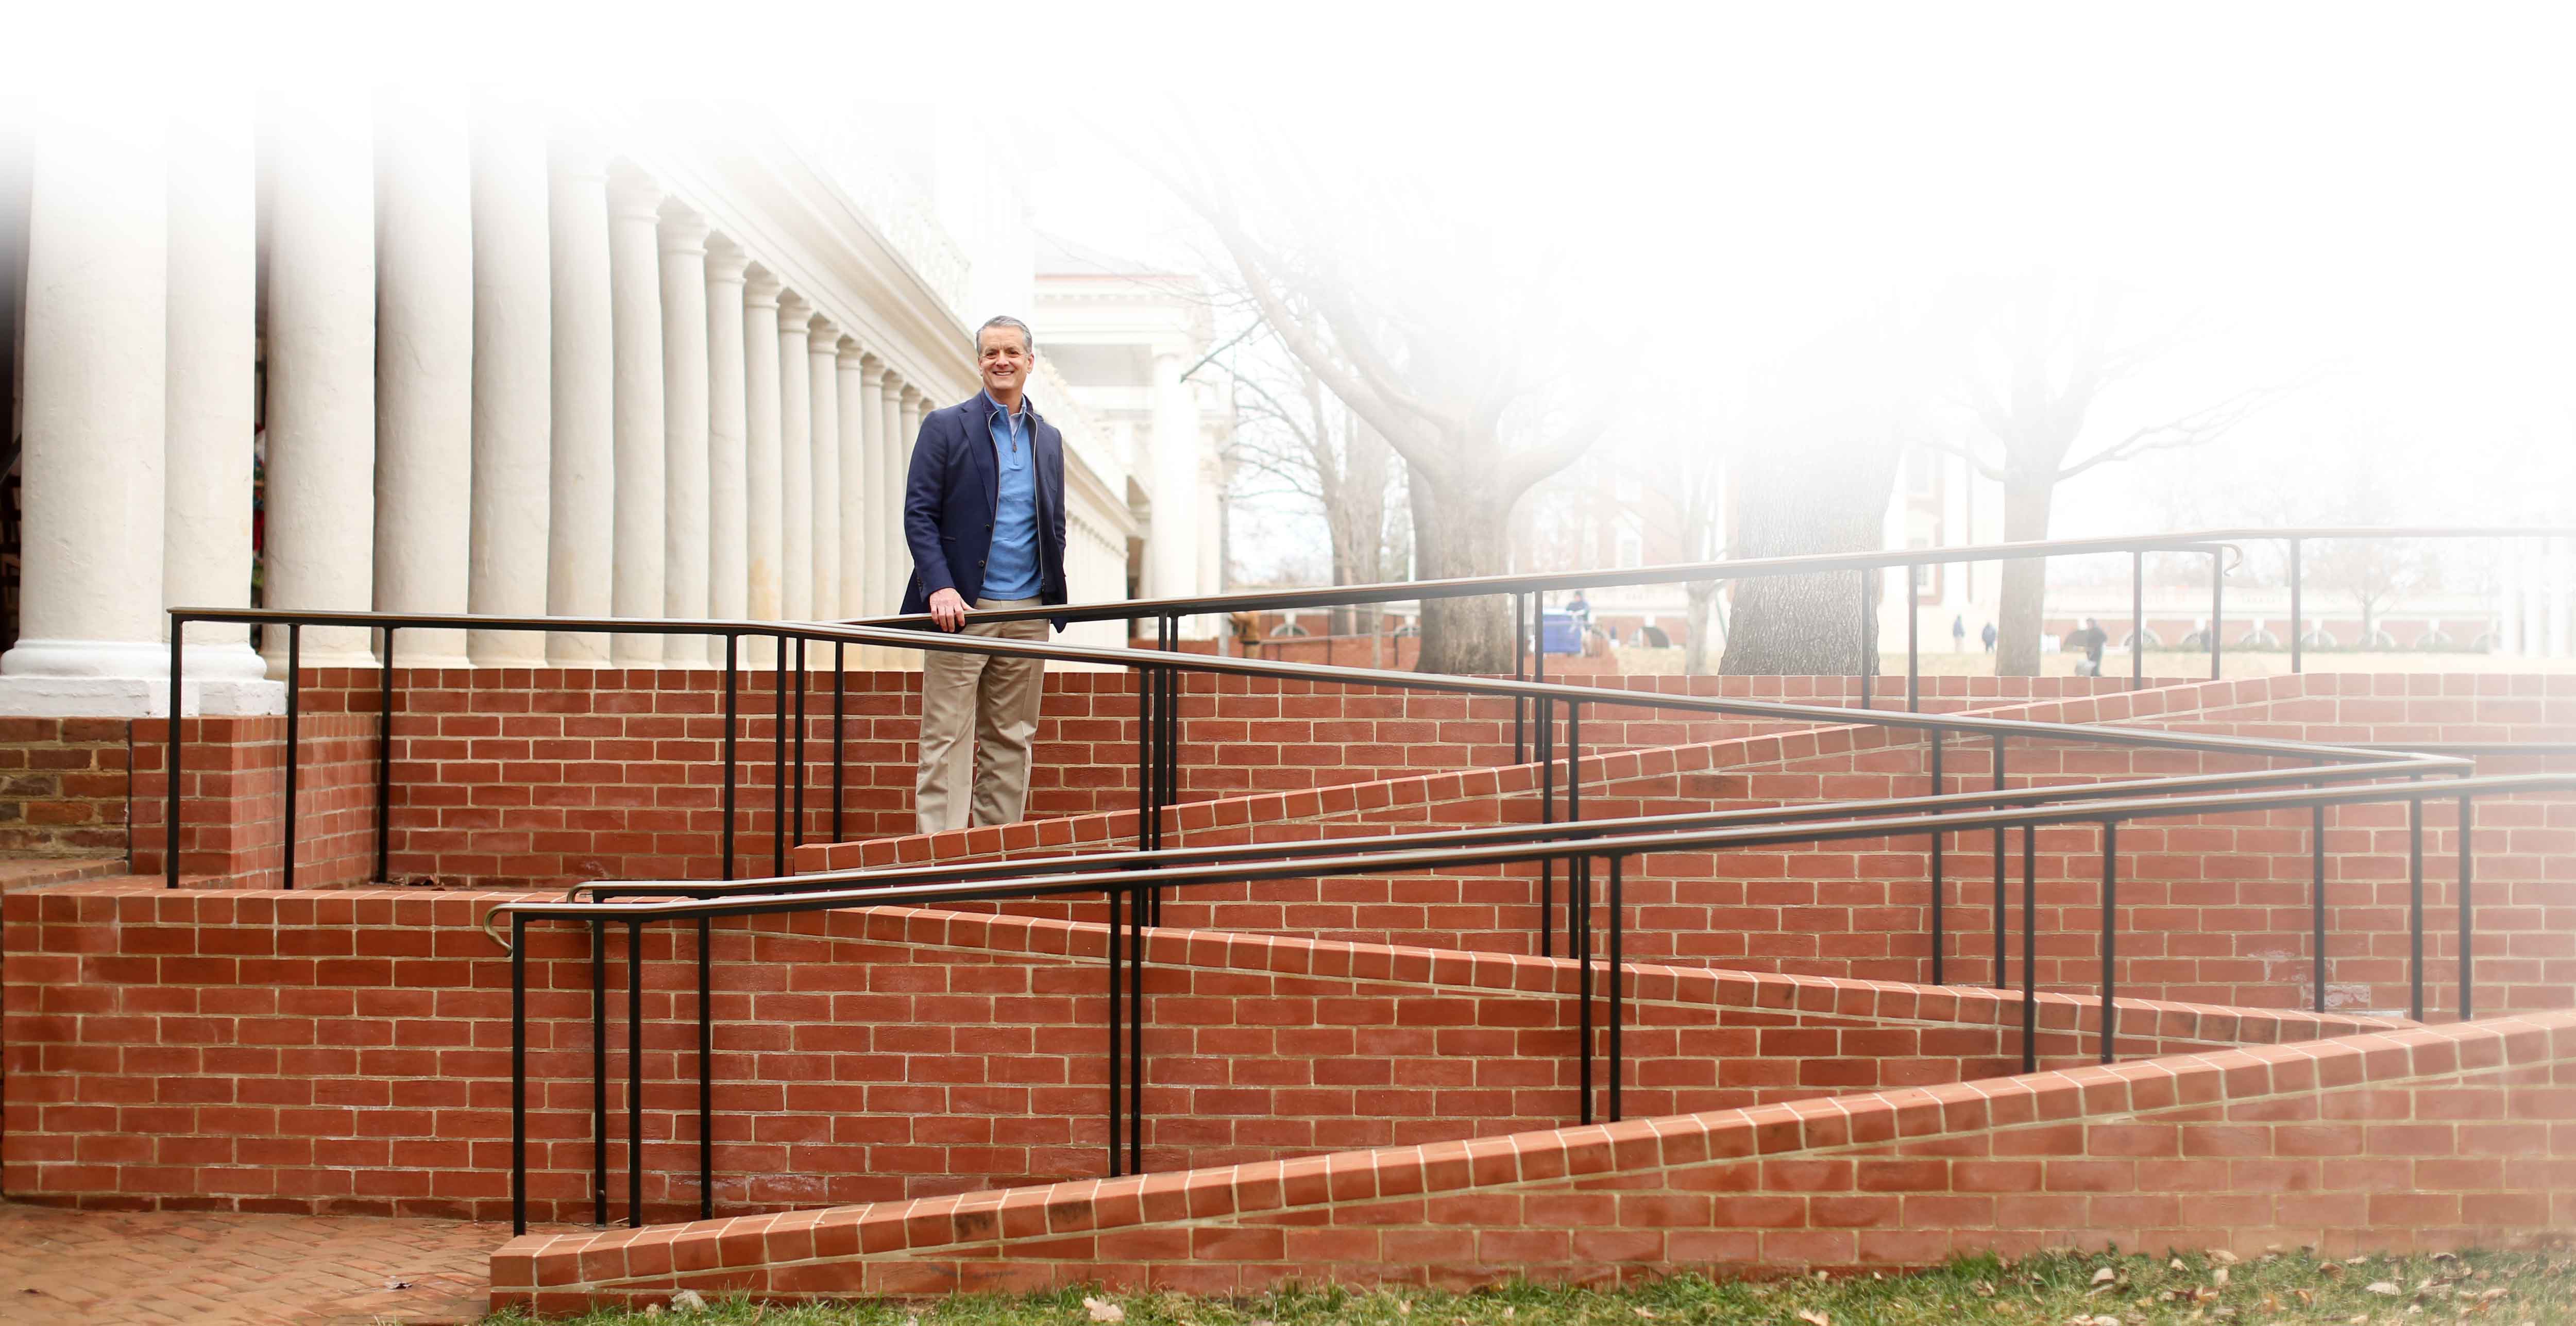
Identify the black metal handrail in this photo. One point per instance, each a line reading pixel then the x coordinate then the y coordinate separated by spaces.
pixel 1158 729
pixel 1126 891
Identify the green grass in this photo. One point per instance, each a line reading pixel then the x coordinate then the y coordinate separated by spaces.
pixel 2055 1289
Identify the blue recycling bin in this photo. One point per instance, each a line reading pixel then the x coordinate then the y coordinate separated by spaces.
pixel 1557 634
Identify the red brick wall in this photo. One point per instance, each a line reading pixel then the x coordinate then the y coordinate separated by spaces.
pixel 2406 1141
pixel 62 786
pixel 2213 909
pixel 514 777
pixel 348 1051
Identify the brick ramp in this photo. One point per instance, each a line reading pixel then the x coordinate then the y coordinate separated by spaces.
pixel 92 1267
pixel 2410 1140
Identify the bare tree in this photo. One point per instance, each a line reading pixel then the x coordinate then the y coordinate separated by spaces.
pixel 1464 372
pixel 2057 346
pixel 1826 428
pixel 1299 439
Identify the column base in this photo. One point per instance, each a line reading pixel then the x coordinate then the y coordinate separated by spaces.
pixel 135 697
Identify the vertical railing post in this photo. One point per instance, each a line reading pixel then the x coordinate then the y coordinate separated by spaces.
pixel 635 1074
pixel 732 721
pixel 1544 709
pixel 796 835
pixel 840 719
pixel 2030 947
pixel 1116 898
pixel 1913 642
pixel 2137 619
pixel 170 795
pixel 1520 670
pixel 2217 614
pixel 2110 934
pixel 2415 906
pixel 1868 641
pixel 1144 768
pixel 1578 941
pixel 1618 995
pixel 778 760
pixel 1136 1028
pixel 2466 815
pixel 294 732
pixel 598 1073
pixel 385 761
pixel 518 1074
pixel 1939 941
pixel 1999 869
pixel 2298 622
pixel 706 1073
pixel 1578 869
pixel 2317 902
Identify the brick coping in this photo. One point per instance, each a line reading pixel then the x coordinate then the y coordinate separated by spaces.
pixel 574 1263
pixel 1106 828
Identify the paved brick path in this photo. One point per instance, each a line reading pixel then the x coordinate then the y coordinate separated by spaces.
pixel 105 1268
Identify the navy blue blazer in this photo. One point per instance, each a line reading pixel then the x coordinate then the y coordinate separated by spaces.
pixel 948 500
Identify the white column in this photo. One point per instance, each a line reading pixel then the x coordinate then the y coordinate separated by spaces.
pixel 2559 579
pixel 635 329
pixel 424 367
pixel 762 589
pixel 685 500
pixel 795 510
pixel 90 619
pixel 862 517
pixel 823 507
pixel 1173 541
pixel 894 450
pixel 581 519
pixel 213 369
pixel 727 544
pixel 321 472
pixel 513 405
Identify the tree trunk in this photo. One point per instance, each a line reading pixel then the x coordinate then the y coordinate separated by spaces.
pixel 1461 534
pixel 1796 499
pixel 2026 502
pixel 1703 610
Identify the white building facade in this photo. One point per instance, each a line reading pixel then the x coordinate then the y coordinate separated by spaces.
pixel 445 352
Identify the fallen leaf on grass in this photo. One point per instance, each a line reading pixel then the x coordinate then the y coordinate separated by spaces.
pixel 2105 1276
pixel 2219 1277
pixel 1647 1313
pixel 1102 1309
pixel 2380 1287
pixel 2223 1257
pixel 1814 1318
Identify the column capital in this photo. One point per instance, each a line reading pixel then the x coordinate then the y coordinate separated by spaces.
pixel 793 312
pixel 632 194
pixel 726 260
pixel 759 286
pixel 824 336
pixel 854 355
pixel 913 395
pixel 683 231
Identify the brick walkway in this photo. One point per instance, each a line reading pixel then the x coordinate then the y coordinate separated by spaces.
pixel 104 1268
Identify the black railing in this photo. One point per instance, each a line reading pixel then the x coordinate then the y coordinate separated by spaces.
pixel 1126 890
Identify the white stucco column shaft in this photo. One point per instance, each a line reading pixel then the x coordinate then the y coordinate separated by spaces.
pixel 685 501
pixel 424 367
pixel 894 450
pixel 319 530
pixel 513 394
pixel 2560 578
pixel 823 504
pixel 635 330
pixel 795 512
pixel 581 519
pixel 1173 541
pixel 90 621
pixel 862 416
pixel 762 588
pixel 727 545
pixel 213 370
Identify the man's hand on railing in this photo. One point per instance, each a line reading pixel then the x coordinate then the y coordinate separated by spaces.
pixel 948 609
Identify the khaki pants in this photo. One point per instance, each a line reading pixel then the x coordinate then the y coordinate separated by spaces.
pixel 998 698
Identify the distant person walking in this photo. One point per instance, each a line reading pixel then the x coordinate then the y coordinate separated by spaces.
pixel 983 514
pixel 1959 634
pixel 2090 639
pixel 1988 635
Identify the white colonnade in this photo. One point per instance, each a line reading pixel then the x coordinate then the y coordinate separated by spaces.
pixel 498 366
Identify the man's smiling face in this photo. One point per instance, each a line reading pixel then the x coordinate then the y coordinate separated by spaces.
pixel 1004 358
